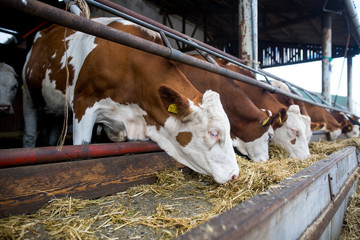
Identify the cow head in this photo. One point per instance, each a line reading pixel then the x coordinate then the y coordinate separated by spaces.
pixel 334 134
pixel 355 132
pixel 8 88
pixel 258 149
pixel 350 130
pixel 291 134
pixel 307 121
pixel 198 136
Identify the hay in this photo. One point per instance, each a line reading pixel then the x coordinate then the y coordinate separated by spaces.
pixel 177 203
pixel 351 229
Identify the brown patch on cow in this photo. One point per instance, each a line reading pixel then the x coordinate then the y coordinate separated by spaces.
pixel 319 114
pixel 293 141
pixel 184 138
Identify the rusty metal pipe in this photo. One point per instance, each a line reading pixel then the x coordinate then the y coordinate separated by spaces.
pixel 28 156
pixel 121 11
pixel 70 20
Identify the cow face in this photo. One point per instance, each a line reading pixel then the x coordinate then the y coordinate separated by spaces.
pixel 257 150
pixel 307 122
pixel 354 132
pixel 292 134
pixel 198 136
pixel 8 88
pixel 333 135
pixel 348 129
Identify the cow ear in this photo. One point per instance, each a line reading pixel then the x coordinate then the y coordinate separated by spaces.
pixel 173 102
pixel 280 118
pixel 315 126
pixel 268 121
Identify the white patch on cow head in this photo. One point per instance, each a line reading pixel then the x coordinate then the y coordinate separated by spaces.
pixel 333 135
pixel 354 132
pixel 208 148
pixel 307 122
pixel 257 150
pixel 292 134
pixel 8 88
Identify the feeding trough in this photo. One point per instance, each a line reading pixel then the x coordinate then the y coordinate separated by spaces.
pixel 309 204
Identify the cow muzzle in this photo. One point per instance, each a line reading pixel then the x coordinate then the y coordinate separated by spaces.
pixel 6 108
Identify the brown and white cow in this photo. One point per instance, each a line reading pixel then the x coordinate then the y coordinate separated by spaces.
pixel 287 101
pixel 323 117
pixel 127 90
pixel 8 88
pixel 348 129
pixel 250 127
pixel 289 128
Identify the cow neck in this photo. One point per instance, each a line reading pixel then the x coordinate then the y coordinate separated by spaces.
pixel 318 114
pixel 241 111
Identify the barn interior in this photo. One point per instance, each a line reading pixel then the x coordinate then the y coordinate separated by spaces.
pixel 293 26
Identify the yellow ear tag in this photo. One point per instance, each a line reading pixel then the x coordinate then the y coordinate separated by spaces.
pixel 172 108
pixel 265 122
pixel 349 128
pixel 280 119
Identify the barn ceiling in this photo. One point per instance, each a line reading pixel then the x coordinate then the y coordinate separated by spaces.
pixel 280 22
pixel 285 23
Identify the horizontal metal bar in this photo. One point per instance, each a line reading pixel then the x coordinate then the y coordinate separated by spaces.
pixel 70 20
pixel 29 156
pixel 127 14
pixel 118 10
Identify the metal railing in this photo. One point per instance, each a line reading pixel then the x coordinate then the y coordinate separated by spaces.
pixel 70 20
pixel 127 14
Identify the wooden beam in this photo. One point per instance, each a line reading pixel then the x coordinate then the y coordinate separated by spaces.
pixel 25 189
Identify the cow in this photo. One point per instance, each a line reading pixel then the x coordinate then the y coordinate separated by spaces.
pixel 289 127
pixel 348 129
pixel 126 90
pixel 322 117
pixel 250 127
pixel 288 101
pixel 8 88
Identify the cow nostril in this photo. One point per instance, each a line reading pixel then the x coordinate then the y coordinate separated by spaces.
pixel 234 177
pixel 4 108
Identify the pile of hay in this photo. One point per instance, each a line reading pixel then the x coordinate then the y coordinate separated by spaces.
pixel 176 203
pixel 351 229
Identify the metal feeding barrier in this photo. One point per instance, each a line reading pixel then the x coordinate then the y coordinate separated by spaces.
pixel 127 14
pixel 282 211
pixel 70 20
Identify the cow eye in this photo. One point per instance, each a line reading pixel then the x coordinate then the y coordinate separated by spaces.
pixel 214 135
pixel 14 88
pixel 295 132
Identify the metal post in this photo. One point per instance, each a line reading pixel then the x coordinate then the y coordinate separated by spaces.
pixel 349 83
pixel 326 56
pixel 248 49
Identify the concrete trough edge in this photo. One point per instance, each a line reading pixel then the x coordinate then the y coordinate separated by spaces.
pixel 294 208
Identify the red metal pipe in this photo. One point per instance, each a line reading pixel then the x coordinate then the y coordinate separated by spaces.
pixel 28 156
